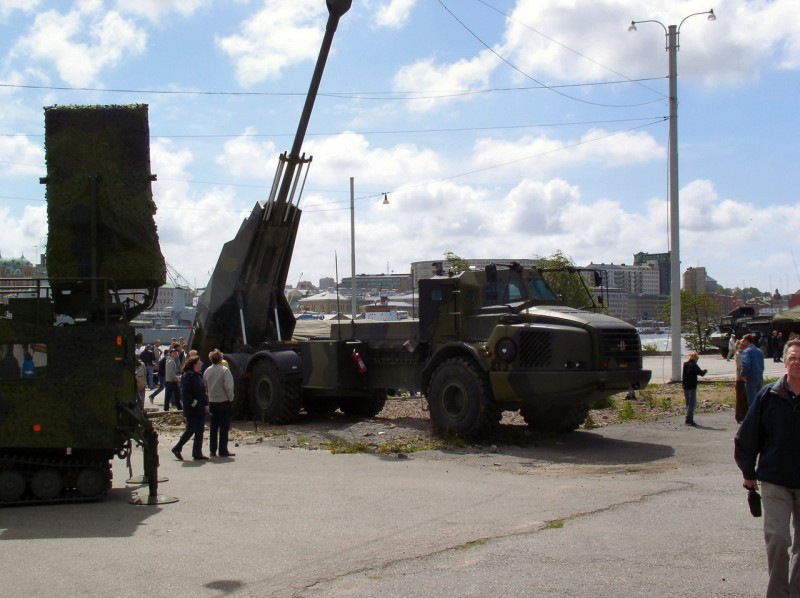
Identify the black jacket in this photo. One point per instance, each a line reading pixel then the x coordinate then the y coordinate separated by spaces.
pixel 770 433
pixel 690 373
pixel 193 389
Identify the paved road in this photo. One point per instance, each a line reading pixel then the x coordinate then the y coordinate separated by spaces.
pixel 647 509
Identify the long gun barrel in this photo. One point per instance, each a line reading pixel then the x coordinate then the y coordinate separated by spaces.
pixel 244 304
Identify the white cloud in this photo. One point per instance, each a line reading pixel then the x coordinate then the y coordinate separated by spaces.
pixel 596 146
pixel 9 6
pixel 278 36
pixel 746 37
pixel 394 13
pixel 437 82
pixel 155 9
pixel 192 226
pixel 78 56
pixel 20 157
pixel 24 235
pixel 248 157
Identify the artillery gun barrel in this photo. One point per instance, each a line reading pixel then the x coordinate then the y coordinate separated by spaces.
pixel 336 8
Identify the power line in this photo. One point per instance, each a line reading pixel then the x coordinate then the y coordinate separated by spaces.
pixel 379 132
pixel 528 76
pixel 396 95
pixel 555 41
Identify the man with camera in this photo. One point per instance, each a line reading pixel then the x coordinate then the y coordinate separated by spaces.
pixel 767 450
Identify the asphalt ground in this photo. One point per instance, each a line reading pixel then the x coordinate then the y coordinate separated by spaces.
pixel 637 509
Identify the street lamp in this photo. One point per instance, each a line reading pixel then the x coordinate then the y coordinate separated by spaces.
pixel 672 32
pixel 353 302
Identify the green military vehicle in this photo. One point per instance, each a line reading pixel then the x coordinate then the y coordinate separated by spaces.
pixel 68 397
pixel 740 321
pixel 486 341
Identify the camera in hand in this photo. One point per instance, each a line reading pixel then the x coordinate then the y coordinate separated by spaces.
pixel 754 502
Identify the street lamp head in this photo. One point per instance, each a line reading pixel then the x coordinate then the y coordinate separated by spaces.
pixel 711 15
pixel 385 199
pixel 633 26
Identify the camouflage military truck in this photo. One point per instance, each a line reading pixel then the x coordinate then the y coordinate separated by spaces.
pixel 485 341
pixel 68 400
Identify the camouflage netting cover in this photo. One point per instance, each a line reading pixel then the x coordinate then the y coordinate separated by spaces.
pixel 109 145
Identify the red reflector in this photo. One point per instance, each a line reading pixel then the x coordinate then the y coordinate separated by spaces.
pixel 119 341
pixel 37 427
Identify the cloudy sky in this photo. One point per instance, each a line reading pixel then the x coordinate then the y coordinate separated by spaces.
pixel 498 128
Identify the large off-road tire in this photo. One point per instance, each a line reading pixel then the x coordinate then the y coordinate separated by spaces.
pixel 273 398
pixel 460 401
pixel 366 406
pixel 558 419
pixel 723 352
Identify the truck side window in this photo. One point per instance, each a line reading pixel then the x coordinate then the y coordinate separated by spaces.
pixel 20 361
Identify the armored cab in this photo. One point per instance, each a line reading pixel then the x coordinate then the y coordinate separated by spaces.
pixel 68 400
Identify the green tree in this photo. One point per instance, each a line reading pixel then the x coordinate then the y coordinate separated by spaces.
pixel 457 264
pixel 699 316
pixel 566 284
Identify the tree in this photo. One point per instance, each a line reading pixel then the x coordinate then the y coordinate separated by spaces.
pixel 457 264
pixel 699 316
pixel 567 285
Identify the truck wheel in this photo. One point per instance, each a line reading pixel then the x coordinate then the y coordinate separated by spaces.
pixel 273 399
pixel 723 352
pixel 459 400
pixel 368 406
pixel 557 419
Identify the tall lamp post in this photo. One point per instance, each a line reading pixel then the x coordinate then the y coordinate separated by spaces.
pixel 672 33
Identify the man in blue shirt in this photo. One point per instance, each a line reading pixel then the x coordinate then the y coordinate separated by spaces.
pixel 752 367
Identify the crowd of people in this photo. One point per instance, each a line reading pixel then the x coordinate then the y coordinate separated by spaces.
pixel 193 387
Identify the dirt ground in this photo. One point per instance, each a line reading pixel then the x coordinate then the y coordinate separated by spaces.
pixel 404 425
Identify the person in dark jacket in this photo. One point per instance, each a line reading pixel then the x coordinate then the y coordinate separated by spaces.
pixel 689 381
pixel 162 374
pixel 767 450
pixel 752 367
pixel 193 396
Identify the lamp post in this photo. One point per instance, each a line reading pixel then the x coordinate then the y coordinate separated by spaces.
pixel 353 302
pixel 353 249
pixel 672 33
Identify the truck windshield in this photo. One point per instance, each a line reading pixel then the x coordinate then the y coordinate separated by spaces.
pixel 539 289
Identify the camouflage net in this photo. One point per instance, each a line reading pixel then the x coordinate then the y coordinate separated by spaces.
pixel 107 147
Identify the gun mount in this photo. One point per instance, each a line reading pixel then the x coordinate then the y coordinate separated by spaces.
pixel 244 306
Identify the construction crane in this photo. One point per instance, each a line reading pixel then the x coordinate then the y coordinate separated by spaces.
pixel 176 278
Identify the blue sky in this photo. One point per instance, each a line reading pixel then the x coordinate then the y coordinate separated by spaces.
pixel 498 128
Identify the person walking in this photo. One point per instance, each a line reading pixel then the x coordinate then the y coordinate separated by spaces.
pixel 172 380
pixel 732 343
pixel 752 367
pixel 219 382
pixel 162 374
pixel 766 449
pixel 741 393
pixel 193 392
pixel 148 357
pixel 689 381
pixel 140 373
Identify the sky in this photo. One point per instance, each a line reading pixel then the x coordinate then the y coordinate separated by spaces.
pixel 495 128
